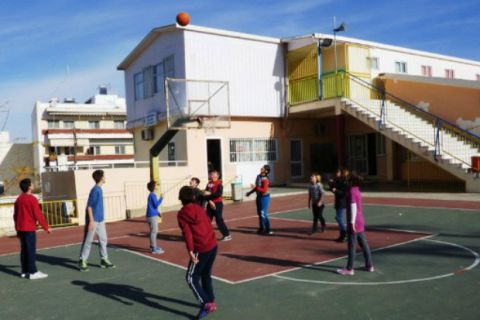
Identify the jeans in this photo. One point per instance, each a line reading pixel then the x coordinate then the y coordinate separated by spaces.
pixel 101 232
pixel 317 215
pixel 340 216
pixel 218 214
pixel 153 223
pixel 199 276
pixel 262 211
pixel 362 242
pixel 28 243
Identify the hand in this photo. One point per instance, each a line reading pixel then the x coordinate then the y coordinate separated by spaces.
pixel 49 230
pixel 90 226
pixel 252 186
pixel 206 193
pixel 319 203
pixel 212 205
pixel 334 189
pixel 193 258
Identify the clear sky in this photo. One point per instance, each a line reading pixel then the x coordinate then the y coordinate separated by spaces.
pixel 66 48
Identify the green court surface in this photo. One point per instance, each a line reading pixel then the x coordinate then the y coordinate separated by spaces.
pixel 431 278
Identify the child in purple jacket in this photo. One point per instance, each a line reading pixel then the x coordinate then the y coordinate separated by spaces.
pixel 356 227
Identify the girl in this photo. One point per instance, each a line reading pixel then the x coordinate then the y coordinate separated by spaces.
pixel 339 189
pixel 356 228
pixel 315 200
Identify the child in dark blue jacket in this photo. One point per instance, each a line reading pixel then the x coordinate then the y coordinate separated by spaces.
pixel 153 214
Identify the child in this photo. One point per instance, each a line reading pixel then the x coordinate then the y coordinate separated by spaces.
pixel 152 216
pixel 26 214
pixel 194 183
pixel 201 245
pixel 263 200
pixel 315 200
pixel 214 197
pixel 356 228
pixel 95 224
pixel 339 189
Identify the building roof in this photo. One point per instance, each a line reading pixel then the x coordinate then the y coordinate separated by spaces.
pixel 471 84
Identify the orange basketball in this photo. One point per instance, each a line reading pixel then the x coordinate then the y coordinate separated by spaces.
pixel 183 19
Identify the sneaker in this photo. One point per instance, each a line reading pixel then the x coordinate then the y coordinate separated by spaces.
pixel 312 232
pixel 38 275
pixel 211 307
pixel 105 263
pixel 370 269
pixel 260 231
pixel 82 265
pixel 346 272
pixel 23 275
pixel 226 238
pixel 202 313
pixel 269 233
pixel 323 229
pixel 157 250
pixel 341 239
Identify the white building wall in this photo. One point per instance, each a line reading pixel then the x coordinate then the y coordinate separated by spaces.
pixel 253 68
pixel 166 44
pixel 387 58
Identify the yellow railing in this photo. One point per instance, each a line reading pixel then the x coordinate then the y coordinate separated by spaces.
pixel 303 90
pixel 335 85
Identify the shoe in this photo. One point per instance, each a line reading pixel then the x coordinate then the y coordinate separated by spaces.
pixel 202 313
pixel 83 265
pixel 38 275
pixel 157 250
pixel 260 231
pixel 211 307
pixel 105 263
pixel 226 238
pixel 341 239
pixel 312 232
pixel 23 275
pixel 269 233
pixel 346 272
pixel 322 230
pixel 370 269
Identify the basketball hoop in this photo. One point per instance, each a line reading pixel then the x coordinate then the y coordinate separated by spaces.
pixel 208 124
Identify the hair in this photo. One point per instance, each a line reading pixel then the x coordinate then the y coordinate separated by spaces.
pixel 267 168
pixel 186 195
pixel 317 176
pixel 345 170
pixel 25 184
pixel 355 179
pixel 196 180
pixel 151 186
pixel 97 175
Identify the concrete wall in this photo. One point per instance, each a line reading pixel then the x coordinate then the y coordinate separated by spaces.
pixel 16 160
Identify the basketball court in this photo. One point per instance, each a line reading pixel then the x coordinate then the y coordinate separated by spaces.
pixel 425 258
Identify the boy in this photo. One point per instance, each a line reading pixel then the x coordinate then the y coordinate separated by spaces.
pixel 152 216
pixel 95 224
pixel 214 197
pixel 194 183
pixel 339 189
pixel 26 214
pixel 263 200
pixel 201 245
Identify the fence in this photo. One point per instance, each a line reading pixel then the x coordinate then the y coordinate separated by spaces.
pixel 136 164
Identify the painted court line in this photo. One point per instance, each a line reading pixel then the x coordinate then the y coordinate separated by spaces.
pixel 473 265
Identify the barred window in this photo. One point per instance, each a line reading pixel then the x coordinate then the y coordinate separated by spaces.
pixel 246 150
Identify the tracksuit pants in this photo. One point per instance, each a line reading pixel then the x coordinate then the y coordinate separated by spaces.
pixel 218 214
pixel 28 244
pixel 199 276
pixel 153 223
pixel 263 203
pixel 100 230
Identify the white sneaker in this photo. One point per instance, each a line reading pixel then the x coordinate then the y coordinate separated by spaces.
pixel 23 275
pixel 38 275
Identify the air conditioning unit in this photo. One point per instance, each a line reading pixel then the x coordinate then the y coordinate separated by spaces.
pixel 147 134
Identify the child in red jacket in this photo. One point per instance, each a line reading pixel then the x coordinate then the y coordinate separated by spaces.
pixel 26 214
pixel 201 245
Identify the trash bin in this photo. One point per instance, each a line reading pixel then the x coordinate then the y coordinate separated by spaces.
pixel 237 191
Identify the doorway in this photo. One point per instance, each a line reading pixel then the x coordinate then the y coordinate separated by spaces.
pixel 214 155
pixel 323 158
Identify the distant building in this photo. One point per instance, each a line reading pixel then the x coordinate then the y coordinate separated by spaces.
pixel 68 135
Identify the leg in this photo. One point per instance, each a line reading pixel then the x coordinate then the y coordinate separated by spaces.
pixel 341 223
pixel 23 252
pixel 351 250
pixel 265 202
pixel 362 241
pixel 153 223
pixel 210 212
pixel 101 231
pixel 259 213
pixel 193 277
pixel 219 219
pixel 87 242
pixel 31 243
pixel 320 216
pixel 315 212
pixel 207 275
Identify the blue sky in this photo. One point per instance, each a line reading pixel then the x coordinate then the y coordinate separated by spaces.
pixel 66 48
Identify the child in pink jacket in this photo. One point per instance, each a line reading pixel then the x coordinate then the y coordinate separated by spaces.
pixel 356 227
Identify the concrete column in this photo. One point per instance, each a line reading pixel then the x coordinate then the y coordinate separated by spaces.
pixel 340 138
pixel 389 158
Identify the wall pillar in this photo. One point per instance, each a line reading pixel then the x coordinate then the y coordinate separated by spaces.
pixel 340 139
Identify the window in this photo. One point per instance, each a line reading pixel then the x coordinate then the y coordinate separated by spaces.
pixel 449 73
pixel 380 141
pixel 119 124
pixel 400 67
pixel 246 150
pixel 53 124
pixel 427 71
pixel 93 150
pixel 171 151
pixel 296 159
pixel 158 77
pixel 169 66
pixel 374 63
pixel 69 151
pixel 120 150
pixel 94 124
pixel 139 86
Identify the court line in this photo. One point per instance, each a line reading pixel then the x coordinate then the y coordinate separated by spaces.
pixel 378 283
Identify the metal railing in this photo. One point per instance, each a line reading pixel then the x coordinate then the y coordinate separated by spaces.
pixel 443 136
pixel 136 164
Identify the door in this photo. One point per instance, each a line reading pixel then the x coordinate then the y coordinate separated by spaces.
pixel 372 154
pixel 214 155
pixel 296 158
pixel 323 157
pixel 357 153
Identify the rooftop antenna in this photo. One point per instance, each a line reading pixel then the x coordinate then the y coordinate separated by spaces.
pixel 6 111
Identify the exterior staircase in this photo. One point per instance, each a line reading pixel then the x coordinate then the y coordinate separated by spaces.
pixel 424 134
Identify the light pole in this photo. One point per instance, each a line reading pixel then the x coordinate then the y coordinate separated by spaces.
pixel 341 28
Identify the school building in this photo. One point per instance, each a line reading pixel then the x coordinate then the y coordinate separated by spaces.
pixel 213 98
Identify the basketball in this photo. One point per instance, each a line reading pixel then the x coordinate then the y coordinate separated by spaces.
pixel 183 19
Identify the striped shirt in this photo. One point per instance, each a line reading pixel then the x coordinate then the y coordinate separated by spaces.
pixel 315 192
